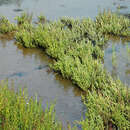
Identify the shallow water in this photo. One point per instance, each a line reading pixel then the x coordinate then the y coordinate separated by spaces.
pixel 117 59
pixel 29 67
pixel 53 9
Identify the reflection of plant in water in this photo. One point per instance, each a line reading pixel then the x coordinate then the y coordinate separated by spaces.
pixel 114 62
pixel 127 72
pixel 114 72
pixel 113 56
pixel 127 48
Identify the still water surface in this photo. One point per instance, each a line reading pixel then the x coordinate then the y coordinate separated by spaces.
pixel 117 59
pixel 53 9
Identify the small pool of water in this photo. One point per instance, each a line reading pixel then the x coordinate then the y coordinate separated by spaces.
pixel 117 59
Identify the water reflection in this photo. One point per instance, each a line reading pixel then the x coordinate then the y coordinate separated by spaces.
pixel 118 66
pixel 77 91
pixel 127 72
pixel 127 15
pixel 36 53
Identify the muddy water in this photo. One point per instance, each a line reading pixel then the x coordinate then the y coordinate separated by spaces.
pixel 29 67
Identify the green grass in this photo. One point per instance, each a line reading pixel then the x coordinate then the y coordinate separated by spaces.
pixel 110 23
pixel 24 18
pixel 106 108
pixel 76 45
pixel 6 26
pixel 19 112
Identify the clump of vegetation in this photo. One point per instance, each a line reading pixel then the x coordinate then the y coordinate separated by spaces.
pixel 18 111
pixel 111 23
pixel 108 109
pixel 41 19
pixel 6 26
pixel 81 67
pixel 24 18
pixel 24 36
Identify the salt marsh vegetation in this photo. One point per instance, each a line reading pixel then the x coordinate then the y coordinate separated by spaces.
pixel 76 45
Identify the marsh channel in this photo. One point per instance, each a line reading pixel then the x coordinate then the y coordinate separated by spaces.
pixel 29 67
